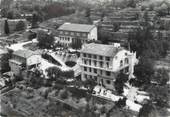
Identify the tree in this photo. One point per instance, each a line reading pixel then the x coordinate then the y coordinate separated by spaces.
pixel 34 20
pixel 144 70
pixel 159 94
pixel 5 63
pixel 45 40
pixel 161 76
pixel 119 83
pixel 131 3
pixel 20 26
pixel 6 27
pixel 53 72
pixel 90 84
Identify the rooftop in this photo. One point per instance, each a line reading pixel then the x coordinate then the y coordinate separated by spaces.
pixel 100 49
pixel 25 53
pixel 76 27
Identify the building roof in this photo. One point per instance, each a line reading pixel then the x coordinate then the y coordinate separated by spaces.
pixel 100 49
pixel 3 51
pixel 76 27
pixel 25 53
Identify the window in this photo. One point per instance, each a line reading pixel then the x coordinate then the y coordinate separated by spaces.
pixel 85 75
pixel 84 34
pixel 85 68
pixel 108 73
pixel 107 64
pixel 66 33
pixel 89 55
pixel 126 69
pixel 72 33
pixel 95 63
pixel 61 32
pixel 125 54
pixel 89 62
pixel 101 64
pixel 107 58
pixel 95 70
pixel 126 61
pixel 121 63
pixel 89 69
pixel 101 58
pixel 78 34
pixel 108 82
pixel 101 72
pixel 95 56
pixel 85 62
pixel 84 55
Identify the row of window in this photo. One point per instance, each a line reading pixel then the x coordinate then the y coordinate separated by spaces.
pixel 96 63
pixel 100 72
pixel 126 61
pixel 95 57
pixel 65 38
pixel 73 33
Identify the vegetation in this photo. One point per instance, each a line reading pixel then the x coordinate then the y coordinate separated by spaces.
pixel 6 27
pixel 119 83
pixel 70 63
pixel 45 40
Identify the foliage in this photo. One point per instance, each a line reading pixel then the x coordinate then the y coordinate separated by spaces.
pixel 147 110
pixel 20 26
pixel 70 63
pixel 63 94
pixel 90 84
pixel 159 94
pixel 119 83
pixel 5 63
pixel 161 77
pixel 32 35
pixel 34 21
pixel 53 72
pixel 6 27
pixel 144 70
pixel 45 40
pixel 121 103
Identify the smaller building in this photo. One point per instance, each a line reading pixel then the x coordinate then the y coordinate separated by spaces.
pixel 69 33
pixel 24 59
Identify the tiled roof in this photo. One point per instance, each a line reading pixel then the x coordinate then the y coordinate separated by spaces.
pixel 100 49
pixel 76 27
pixel 25 53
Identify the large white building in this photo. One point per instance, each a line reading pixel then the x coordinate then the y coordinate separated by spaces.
pixel 70 33
pixel 104 62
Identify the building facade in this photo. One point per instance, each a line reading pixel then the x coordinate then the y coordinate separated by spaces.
pixel 24 59
pixel 69 33
pixel 104 62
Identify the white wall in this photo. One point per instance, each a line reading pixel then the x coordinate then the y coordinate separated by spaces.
pixel 118 57
pixel 35 59
pixel 93 34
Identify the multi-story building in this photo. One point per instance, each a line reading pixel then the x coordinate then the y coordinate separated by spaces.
pixel 70 33
pixel 104 62
pixel 24 59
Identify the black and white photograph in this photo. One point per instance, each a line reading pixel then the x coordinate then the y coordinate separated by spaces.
pixel 84 58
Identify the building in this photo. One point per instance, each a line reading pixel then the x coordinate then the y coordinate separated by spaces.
pixel 70 33
pixel 11 23
pixel 104 62
pixel 24 59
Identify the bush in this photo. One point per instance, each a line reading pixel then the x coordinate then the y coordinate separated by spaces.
pixel 64 94
pixel 70 63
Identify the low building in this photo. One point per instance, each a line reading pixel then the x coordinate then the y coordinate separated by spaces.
pixel 11 23
pixel 24 59
pixel 70 33
pixel 104 62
